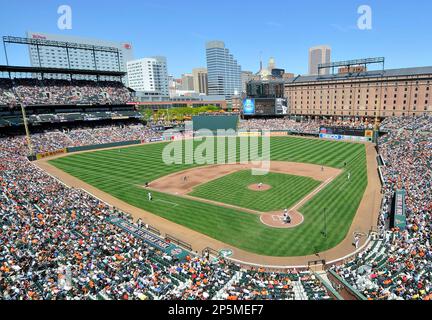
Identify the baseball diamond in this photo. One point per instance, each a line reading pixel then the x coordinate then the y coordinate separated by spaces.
pixel 118 174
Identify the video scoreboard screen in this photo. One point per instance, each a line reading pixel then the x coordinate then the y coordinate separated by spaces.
pixel 264 106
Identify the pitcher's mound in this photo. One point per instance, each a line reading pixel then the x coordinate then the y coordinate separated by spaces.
pixel 258 187
pixel 276 219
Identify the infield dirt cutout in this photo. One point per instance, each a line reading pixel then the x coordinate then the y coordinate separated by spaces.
pixel 182 183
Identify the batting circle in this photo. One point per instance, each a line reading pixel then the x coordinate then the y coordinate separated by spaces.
pixel 276 220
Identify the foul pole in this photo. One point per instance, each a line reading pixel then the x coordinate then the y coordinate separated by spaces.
pixel 29 143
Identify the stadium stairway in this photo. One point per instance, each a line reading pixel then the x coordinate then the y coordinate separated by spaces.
pixel 236 277
pixel 299 291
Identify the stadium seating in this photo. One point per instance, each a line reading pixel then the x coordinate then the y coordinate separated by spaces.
pixel 61 92
pixel 305 126
pixel 56 242
pixel 399 265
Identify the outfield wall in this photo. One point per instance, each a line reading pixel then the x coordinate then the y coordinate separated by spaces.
pixel 103 146
pixel 274 133
pixel 42 155
pixel 214 123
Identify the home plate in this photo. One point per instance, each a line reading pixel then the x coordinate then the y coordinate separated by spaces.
pixel 276 220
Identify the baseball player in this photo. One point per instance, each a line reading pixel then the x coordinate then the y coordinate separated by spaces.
pixel 150 197
pixel 286 217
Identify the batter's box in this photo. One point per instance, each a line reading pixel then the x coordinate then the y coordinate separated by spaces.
pixel 277 218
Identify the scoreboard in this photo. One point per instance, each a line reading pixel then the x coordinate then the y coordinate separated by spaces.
pixel 264 106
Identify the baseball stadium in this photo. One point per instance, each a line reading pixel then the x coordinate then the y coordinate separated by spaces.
pixel 104 197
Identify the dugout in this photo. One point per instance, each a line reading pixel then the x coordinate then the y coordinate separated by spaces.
pixel 398 210
pixel 214 123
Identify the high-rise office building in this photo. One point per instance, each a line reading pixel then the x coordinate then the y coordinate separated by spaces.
pixel 224 73
pixel 200 80
pixel 149 75
pixel 187 82
pixel 318 55
pixel 246 76
pixel 53 57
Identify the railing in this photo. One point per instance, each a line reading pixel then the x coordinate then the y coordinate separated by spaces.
pixel 357 294
pixel 153 230
pixel 329 287
pixel 178 242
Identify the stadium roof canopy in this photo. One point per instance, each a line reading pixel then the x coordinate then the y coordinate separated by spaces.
pixel 42 70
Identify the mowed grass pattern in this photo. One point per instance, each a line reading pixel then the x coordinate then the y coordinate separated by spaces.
pixel 122 172
pixel 286 190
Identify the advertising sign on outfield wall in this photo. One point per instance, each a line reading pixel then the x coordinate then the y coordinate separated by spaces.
pixel 369 133
pixel 49 154
pixel 156 139
pixel 344 138
pixel 249 134
pixel 278 133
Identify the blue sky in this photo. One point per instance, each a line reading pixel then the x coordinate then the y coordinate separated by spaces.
pixel 285 29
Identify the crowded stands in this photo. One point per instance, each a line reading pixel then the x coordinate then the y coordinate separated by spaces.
pixel 398 265
pixel 61 92
pixel 304 126
pixel 60 139
pixel 56 242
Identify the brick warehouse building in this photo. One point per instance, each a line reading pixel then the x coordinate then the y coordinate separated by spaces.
pixel 369 94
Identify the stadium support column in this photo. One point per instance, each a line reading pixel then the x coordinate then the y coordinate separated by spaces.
pixel 29 143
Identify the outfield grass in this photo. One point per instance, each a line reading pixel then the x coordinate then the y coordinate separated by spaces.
pixel 122 173
pixel 286 190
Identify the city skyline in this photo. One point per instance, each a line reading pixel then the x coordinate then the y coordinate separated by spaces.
pixel 288 40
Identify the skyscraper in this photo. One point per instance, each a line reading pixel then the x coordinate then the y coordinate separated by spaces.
pixel 200 79
pixel 149 75
pixel 224 73
pixel 187 82
pixel 317 55
pixel 246 76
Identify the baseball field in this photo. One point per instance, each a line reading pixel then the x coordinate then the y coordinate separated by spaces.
pixel 214 208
